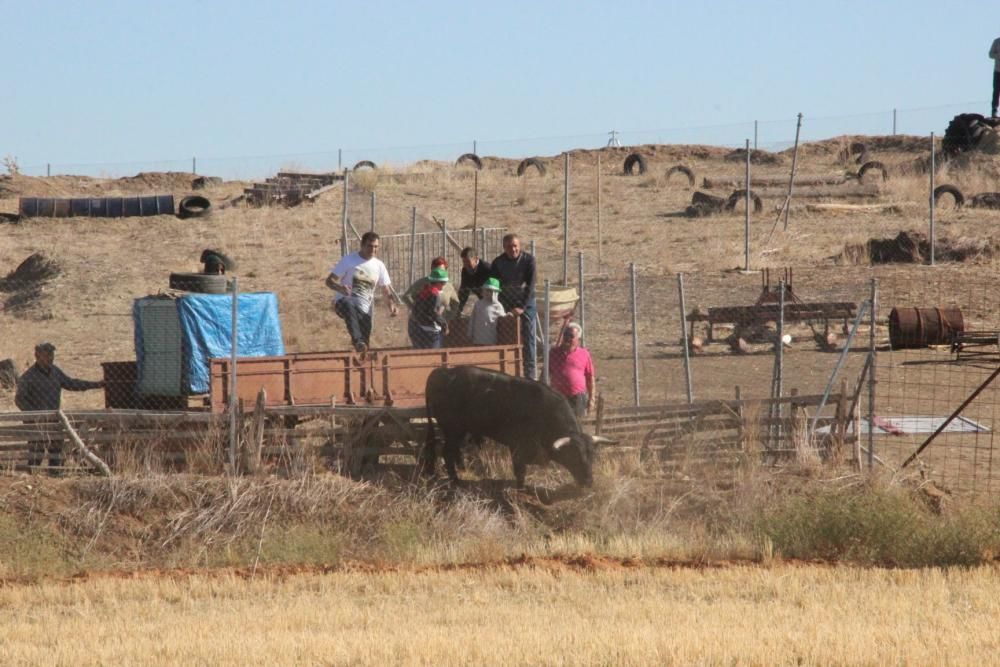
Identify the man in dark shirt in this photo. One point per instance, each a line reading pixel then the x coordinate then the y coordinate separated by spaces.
pixel 474 274
pixel 40 388
pixel 515 269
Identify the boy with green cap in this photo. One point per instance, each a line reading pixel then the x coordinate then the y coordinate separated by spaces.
pixel 428 326
pixel 486 312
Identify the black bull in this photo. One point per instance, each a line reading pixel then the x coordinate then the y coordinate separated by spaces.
pixel 533 421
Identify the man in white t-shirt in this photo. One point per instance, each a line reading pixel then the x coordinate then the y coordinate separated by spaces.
pixel 355 278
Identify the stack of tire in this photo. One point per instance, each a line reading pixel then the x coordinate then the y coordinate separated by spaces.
pixel 965 131
pixel 205 283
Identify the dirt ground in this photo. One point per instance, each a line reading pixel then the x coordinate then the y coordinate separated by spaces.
pixel 106 263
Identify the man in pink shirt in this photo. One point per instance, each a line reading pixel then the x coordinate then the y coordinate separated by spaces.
pixel 571 371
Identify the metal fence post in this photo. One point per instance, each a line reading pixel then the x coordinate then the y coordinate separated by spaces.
pixel 932 199
pixel 339 161
pixel 684 341
pixel 893 122
pixel 444 238
pixel 48 169
pixel 791 178
pixel 232 378
pixel 194 165
pixel 413 241
pixel 635 337
pixel 475 202
pixel 373 211
pixel 746 219
pixel 546 328
pixel 873 356
pixel 778 377
pixel 755 135
pixel 343 218
pixel 565 276
pixel 583 302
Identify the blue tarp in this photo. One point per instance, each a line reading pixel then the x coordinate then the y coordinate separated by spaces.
pixel 206 332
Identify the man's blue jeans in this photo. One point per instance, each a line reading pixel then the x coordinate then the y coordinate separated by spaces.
pixel 359 323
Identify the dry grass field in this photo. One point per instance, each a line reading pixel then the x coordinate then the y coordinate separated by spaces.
pixel 540 613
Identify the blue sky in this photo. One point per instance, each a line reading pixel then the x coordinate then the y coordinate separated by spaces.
pixel 118 87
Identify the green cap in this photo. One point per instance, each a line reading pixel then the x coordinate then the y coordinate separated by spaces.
pixel 492 284
pixel 438 275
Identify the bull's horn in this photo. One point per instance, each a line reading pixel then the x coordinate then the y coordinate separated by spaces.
pixel 561 442
pixel 601 440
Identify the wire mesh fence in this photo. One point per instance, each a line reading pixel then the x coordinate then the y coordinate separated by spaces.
pixel 936 342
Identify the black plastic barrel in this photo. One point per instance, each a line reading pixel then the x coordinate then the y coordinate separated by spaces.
pixel 131 207
pixel 79 207
pixel 920 327
pixel 27 207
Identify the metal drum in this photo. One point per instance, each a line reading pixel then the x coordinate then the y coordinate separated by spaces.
pixel 920 327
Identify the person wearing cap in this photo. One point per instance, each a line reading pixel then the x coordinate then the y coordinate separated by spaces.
pixel 355 278
pixel 448 294
pixel 475 271
pixel 571 371
pixel 428 326
pixel 40 388
pixel 485 314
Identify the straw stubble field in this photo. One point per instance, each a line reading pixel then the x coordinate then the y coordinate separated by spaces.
pixel 546 613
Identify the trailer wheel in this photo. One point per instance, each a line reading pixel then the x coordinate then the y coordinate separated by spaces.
pixel 364 163
pixel 679 168
pixel 950 190
pixel 531 162
pixel 203 283
pixel 874 164
pixel 469 157
pixel 632 160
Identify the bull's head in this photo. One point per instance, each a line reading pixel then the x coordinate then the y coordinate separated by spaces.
pixel 576 454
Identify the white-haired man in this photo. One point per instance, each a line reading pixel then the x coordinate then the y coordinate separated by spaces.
pixel 571 371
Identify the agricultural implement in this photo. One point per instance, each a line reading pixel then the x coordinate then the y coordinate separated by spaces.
pixel 767 309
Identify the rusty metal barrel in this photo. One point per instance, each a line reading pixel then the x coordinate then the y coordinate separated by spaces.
pixel 920 327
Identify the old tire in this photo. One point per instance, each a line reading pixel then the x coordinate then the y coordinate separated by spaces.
pixel 874 164
pixel 364 163
pixel 986 200
pixel 194 206
pixel 469 157
pixel 631 161
pixel 679 168
pixel 949 190
pixel 530 162
pixel 199 282
pixel 737 195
